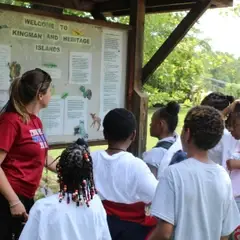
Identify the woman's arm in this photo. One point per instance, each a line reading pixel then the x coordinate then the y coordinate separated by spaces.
pixel 224 238
pixel 51 164
pixel 233 164
pixel 16 206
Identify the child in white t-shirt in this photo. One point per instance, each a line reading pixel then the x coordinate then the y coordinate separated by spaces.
pixel 194 198
pixel 163 125
pixel 123 181
pixel 77 212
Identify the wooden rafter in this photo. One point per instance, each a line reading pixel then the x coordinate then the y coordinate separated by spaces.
pixel 175 37
pixel 122 7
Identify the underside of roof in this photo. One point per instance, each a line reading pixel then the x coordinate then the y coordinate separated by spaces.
pixel 122 7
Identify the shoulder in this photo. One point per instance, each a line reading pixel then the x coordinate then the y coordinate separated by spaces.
pixel 47 201
pixel 96 206
pixel 178 170
pixel 10 120
pixel 154 155
pixel 95 153
pixel 10 117
pixel 223 174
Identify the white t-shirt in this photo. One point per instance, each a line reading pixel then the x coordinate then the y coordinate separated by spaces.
pixel 197 199
pixel 159 157
pixel 123 178
pixel 51 220
pixel 223 150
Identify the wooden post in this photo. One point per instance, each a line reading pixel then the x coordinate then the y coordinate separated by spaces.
pixel 137 101
pixel 175 37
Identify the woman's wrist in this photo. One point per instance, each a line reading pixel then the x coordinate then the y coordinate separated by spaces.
pixel 13 201
pixel 14 204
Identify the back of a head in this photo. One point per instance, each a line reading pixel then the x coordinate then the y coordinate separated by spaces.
pixel 217 100
pixel 206 126
pixel 75 173
pixel 25 89
pixel 119 124
pixel 169 113
pixel 232 119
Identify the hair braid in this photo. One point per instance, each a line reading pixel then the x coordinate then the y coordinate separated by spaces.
pixel 75 173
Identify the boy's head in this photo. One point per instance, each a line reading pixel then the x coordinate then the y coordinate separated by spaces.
pixel 203 128
pixel 217 100
pixel 164 120
pixel 75 173
pixel 119 125
pixel 234 122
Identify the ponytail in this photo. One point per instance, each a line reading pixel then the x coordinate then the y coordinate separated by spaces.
pixel 15 102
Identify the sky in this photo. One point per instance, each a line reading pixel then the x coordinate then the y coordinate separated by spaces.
pixel 223 30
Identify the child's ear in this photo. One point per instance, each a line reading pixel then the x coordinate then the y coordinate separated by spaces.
pixel 133 136
pixel 188 135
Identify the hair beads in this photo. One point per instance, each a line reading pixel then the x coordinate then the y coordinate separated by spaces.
pixel 75 174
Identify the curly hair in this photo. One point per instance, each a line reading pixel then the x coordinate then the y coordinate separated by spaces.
pixel 75 173
pixel 206 126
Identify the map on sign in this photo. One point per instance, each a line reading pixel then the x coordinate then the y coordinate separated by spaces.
pixel 86 62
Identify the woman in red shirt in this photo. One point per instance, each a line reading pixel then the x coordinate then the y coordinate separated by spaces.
pixel 23 149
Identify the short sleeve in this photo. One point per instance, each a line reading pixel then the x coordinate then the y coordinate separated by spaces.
pixel 231 216
pixel 10 133
pixel 146 183
pixel 154 157
pixel 163 205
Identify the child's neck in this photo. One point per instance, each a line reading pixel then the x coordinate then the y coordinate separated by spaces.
pixel 200 155
pixel 165 135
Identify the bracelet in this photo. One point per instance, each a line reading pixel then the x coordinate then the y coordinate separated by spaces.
pixel 15 204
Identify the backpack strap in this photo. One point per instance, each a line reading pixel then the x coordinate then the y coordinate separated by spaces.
pixel 178 157
pixel 164 144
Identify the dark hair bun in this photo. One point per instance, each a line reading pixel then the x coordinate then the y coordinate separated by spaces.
pixel 173 108
pixel 230 98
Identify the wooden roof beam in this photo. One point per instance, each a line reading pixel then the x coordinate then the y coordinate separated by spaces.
pixel 222 3
pixel 124 5
pixel 162 9
pixel 79 5
pixel 175 37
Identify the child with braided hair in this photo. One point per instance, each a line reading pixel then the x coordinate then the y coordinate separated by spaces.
pixel 194 198
pixel 75 213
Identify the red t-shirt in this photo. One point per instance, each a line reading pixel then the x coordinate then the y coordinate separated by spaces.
pixel 26 149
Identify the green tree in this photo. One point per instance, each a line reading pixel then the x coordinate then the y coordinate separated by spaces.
pixel 180 75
